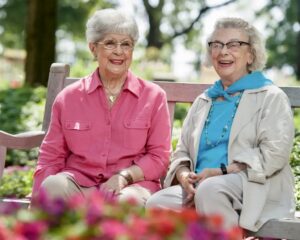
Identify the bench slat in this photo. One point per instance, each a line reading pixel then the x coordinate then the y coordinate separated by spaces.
pixel 279 228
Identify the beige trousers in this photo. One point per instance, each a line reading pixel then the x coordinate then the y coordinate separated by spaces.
pixel 62 185
pixel 216 195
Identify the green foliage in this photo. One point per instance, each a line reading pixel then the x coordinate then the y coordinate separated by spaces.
pixel 77 12
pixel 71 17
pixel 16 182
pixel 297 119
pixel 181 110
pixel 21 110
pixel 295 163
pixel 283 37
pixel 148 63
pixel 12 19
pixel 82 68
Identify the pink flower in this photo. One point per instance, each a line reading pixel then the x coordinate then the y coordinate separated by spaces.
pixel 163 224
pixel 94 207
pixel 111 229
pixel 4 233
pixel 31 230
pixel 7 208
pixel 95 217
pixel 138 226
pixel 76 202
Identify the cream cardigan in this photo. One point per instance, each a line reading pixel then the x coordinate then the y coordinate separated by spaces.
pixel 262 137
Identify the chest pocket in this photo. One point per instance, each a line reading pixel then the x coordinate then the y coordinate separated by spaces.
pixel 77 125
pixel 136 133
pixel 77 134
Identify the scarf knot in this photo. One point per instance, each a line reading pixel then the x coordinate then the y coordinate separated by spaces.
pixel 250 81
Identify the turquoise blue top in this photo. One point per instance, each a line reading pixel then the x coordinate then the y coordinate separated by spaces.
pixel 213 144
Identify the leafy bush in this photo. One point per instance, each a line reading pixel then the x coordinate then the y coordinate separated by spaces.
pixel 21 110
pixel 99 217
pixel 16 182
pixel 295 164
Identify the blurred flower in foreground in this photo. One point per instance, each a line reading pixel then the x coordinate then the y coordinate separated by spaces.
pixel 98 217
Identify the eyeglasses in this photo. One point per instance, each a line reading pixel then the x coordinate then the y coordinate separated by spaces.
pixel 232 45
pixel 113 44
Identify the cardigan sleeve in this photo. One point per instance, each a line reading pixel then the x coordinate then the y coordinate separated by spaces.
pixel 182 155
pixel 274 139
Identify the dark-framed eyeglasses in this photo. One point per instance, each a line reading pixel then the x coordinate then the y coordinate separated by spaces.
pixel 111 44
pixel 232 45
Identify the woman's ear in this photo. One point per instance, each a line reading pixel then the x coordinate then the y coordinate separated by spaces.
pixel 250 58
pixel 92 47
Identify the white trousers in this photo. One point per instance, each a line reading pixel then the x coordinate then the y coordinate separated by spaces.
pixel 216 195
pixel 62 185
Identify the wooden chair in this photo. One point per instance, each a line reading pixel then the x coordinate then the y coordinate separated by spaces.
pixel 176 93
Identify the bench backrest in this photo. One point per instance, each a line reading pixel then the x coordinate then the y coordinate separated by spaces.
pixel 176 92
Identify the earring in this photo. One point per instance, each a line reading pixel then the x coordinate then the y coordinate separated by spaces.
pixel 95 57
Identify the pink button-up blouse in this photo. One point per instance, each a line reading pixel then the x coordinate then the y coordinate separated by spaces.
pixel 92 142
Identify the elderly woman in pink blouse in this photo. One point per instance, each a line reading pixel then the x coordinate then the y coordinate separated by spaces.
pixel 110 131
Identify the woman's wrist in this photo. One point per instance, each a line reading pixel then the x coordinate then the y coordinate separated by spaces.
pixel 236 167
pixel 127 176
pixel 182 173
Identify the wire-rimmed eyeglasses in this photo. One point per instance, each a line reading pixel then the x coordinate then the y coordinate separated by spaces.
pixel 113 44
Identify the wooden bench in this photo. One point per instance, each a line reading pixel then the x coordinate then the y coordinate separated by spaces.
pixel 176 93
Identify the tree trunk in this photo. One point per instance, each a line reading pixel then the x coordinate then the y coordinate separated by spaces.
pixel 40 40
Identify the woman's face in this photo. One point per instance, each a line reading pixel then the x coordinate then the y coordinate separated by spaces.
pixel 113 54
pixel 230 61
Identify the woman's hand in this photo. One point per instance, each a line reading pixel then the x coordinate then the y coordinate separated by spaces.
pixel 211 172
pixel 113 185
pixel 184 177
pixel 206 173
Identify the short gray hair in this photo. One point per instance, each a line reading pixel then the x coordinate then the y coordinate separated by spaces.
pixel 110 21
pixel 257 45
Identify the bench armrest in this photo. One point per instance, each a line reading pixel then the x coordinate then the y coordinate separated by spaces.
pixel 25 140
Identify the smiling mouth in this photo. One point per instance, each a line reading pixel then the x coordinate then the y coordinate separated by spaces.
pixel 117 62
pixel 225 63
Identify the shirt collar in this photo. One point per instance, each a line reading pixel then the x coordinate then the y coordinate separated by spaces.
pixel 92 82
pixel 132 83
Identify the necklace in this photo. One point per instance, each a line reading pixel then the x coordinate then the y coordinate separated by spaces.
pixel 111 96
pixel 226 127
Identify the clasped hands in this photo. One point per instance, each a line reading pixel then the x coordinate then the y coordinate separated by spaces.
pixel 189 180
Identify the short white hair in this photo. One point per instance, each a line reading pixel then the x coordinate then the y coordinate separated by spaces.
pixel 110 21
pixel 257 45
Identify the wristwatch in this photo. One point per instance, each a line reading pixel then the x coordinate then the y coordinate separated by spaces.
pixel 223 168
pixel 125 174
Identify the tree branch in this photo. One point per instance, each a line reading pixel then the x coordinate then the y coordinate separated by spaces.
pixel 201 12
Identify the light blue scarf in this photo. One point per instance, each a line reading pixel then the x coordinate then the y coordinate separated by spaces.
pixel 250 81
